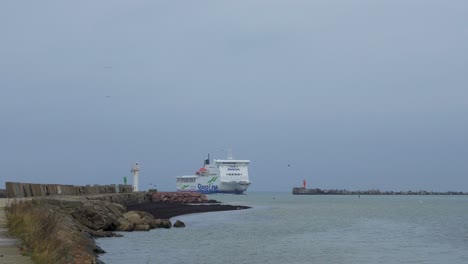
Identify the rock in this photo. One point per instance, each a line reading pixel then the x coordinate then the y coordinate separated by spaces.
pixel 101 233
pixel 162 223
pixel 144 214
pixel 136 220
pixel 124 224
pixel 115 208
pixel 98 250
pixel 98 214
pixel 178 197
pixel 149 221
pixel 142 228
pixel 179 223
pixel 133 217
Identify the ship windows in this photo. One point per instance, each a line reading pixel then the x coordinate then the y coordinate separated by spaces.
pixel 186 180
pixel 234 174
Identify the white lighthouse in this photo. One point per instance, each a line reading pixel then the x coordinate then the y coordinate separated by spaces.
pixel 135 170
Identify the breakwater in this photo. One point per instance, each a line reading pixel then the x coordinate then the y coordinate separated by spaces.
pixel 20 190
pixel 62 228
pixel 316 191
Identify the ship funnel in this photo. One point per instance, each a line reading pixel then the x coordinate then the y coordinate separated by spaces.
pixel 229 154
pixel 207 161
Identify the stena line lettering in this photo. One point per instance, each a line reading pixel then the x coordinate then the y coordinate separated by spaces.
pixel 207 188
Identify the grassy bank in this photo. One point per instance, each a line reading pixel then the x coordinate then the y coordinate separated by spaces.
pixel 48 234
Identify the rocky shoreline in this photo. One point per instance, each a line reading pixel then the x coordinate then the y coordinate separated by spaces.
pixel 62 229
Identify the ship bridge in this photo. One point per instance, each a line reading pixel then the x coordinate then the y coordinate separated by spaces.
pixel 233 170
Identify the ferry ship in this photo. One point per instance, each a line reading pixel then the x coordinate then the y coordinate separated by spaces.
pixel 222 176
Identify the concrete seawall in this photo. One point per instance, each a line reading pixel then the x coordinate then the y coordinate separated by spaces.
pixel 20 189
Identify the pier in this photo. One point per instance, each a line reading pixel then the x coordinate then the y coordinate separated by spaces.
pixel 317 191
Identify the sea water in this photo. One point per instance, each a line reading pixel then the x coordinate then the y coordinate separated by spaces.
pixel 284 228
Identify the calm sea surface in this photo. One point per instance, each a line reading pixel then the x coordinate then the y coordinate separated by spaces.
pixel 284 228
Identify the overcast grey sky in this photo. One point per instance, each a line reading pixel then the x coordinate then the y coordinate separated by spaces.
pixel 352 94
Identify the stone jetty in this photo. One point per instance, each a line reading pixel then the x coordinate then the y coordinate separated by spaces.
pixel 61 228
pixel 317 191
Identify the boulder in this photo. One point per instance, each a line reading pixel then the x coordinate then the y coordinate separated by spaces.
pixel 149 221
pixel 162 223
pixel 136 221
pixel 179 223
pixel 144 214
pixel 124 224
pixel 98 215
pixel 142 227
pixel 178 197
pixel 133 217
pixel 97 249
pixel 102 233
pixel 115 208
